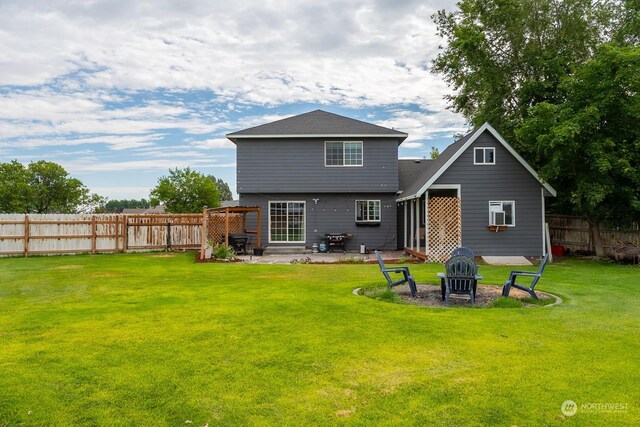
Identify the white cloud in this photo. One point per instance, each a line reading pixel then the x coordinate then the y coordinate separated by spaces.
pixel 354 54
pixel 213 143
pixel 86 165
pixel 412 145
pixel 77 73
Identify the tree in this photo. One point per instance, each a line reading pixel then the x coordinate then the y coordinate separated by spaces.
pixel 53 190
pixel 223 189
pixel 504 56
pixel 15 190
pixel 119 205
pixel 434 152
pixel 185 191
pixel 42 187
pixel 589 143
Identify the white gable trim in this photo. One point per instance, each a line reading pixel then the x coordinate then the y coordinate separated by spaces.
pixel 466 145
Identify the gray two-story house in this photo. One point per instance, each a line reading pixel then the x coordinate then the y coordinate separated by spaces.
pixel 320 173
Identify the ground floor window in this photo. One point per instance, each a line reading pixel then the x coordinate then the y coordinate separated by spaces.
pixel 502 213
pixel 367 210
pixel 287 222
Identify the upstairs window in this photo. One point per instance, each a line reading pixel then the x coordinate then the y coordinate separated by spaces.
pixel 367 210
pixel 484 156
pixel 343 153
pixel 502 213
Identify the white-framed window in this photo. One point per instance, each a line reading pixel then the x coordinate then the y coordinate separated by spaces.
pixel 343 153
pixel 287 222
pixel 502 213
pixel 484 156
pixel 367 210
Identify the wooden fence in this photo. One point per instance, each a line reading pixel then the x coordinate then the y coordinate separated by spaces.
pixel 69 234
pixel 573 233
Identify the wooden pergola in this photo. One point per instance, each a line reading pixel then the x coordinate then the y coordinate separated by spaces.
pixel 227 211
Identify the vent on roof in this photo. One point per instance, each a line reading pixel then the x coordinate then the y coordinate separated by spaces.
pixel 417 160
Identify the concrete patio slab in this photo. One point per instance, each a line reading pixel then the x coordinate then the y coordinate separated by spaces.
pixel 331 257
pixel 506 260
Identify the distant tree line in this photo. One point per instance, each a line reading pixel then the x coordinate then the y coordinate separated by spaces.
pixel 46 187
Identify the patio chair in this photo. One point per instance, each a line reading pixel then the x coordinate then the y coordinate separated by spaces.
pixel 463 251
pixel 511 283
pixel 406 275
pixel 460 277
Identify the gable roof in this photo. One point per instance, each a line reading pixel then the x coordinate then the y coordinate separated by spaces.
pixel 451 154
pixel 317 123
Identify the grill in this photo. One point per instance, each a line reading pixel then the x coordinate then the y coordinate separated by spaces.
pixel 239 242
pixel 336 240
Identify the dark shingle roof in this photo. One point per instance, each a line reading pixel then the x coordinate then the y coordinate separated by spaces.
pixel 317 123
pixel 414 185
pixel 410 171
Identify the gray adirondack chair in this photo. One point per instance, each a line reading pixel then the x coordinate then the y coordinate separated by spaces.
pixel 463 251
pixel 406 275
pixel 460 277
pixel 513 276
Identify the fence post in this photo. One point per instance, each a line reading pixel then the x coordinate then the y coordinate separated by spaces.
pixel 125 234
pixel 26 235
pixel 168 235
pixel 117 233
pixel 203 233
pixel 226 226
pixel 93 234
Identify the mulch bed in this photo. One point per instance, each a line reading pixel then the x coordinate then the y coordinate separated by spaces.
pixel 431 296
pixel 215 260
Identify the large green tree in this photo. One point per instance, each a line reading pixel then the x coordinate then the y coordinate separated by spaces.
pixel 503 56
pixel 589 143
pixel 223 189
pixel 54 190
pixel 15 189
pixel 43 187
pixel 185 191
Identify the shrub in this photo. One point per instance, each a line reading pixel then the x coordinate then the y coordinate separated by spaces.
pixel 222 251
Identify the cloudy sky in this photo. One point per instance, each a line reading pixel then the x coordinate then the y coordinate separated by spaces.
pixel 120 91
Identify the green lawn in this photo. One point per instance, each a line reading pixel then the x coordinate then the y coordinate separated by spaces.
pixel 156 340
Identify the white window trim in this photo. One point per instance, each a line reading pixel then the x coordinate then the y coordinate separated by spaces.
pixel 343 156
pixel 304 229
pixel 369 221
pixel 483 156
pixel 513 204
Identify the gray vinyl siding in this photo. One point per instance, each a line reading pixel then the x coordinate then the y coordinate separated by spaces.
pixel 504 181
pixel 297 165
pixel 334 213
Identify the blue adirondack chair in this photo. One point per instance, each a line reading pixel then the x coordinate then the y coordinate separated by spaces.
pixel 406 275
pixel 463 251
pixel 460 277
pixel 513 276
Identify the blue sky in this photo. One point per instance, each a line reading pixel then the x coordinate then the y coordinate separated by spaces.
pixel 118 92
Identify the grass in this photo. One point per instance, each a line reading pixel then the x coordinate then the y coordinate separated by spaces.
pixel 157 340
